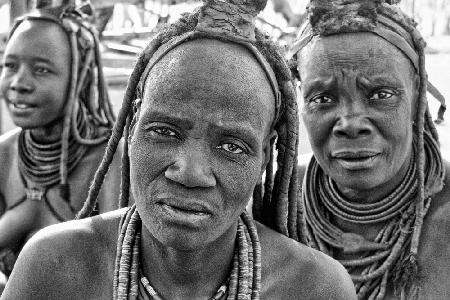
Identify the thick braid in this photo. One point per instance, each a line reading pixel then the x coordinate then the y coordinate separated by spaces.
pixel 67 119
pixel 423 122
pixel 279 191
pixel 114 140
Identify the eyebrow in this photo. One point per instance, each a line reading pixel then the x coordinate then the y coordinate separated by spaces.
pixel 155 116
pixel 319 84
pixel 34 59
pixel 369 82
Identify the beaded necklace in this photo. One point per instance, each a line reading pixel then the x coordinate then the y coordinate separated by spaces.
pixel 40 163
pixel 245 277
pixel 380 259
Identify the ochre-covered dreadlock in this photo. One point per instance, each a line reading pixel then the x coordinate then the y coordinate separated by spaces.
pixel 271 203
pixel 400 264
pixel 87 107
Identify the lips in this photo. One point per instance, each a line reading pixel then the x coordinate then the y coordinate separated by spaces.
pixel 188 215
pixel 188 207
pixel 356 160
pixel 17 105
pixel 22 105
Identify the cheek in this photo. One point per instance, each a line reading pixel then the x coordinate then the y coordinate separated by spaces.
pixel 237 181
pixel 144 165
pixel 318 128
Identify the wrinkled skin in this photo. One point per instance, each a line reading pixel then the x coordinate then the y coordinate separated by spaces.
pixel 197 150
pixel 358 100
pixel 35 77
pixel 200 144
pixel 346 109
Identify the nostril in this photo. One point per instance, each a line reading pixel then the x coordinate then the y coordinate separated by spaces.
pixel 352 129
pixel 365 131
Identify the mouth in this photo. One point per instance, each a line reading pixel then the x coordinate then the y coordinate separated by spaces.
pixel 356 160
pixel 185 212
pixel 18 106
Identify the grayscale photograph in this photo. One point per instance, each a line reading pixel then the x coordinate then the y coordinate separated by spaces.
pixel 224 149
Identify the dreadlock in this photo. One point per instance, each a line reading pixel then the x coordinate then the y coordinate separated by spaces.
pixel 334 17
pixel 271 200
pixel 87 107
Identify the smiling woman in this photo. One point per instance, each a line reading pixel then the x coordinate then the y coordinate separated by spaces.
pixel 209 99
pixel 54 91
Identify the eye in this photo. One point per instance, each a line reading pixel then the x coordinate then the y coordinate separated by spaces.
pixel 42 70
pixel 232 148
pixel 382 95
pixel 321 99
pixel 164 131
pixel 9 65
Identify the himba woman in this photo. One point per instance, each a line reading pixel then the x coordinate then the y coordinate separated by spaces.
pixel 201 115
pixel 53 86
pixel 375 193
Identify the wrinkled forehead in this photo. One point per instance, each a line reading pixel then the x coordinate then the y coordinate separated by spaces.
pixel 213 65
pixel 362 52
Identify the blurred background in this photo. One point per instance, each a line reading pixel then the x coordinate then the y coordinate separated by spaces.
pixel 126 27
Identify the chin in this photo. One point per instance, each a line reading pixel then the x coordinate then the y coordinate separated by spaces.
pixel 180 240
pixel 359 180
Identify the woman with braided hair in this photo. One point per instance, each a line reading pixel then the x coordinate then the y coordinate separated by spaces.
pixel 201 115
pixel 375 193
pixel 54 89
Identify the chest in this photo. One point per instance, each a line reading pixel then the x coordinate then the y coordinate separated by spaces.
pixel 12 188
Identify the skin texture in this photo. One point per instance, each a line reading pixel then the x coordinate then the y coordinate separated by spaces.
pixel 199 144
pixel 357 101
pixel 36 71
pixel 350 116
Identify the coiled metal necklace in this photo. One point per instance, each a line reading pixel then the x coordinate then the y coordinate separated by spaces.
pixel 39 163
pixel 382 256
pixel 245 277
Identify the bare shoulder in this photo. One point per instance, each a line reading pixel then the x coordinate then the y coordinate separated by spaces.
pixel 294 271
pixel 71 260
pixel 440 205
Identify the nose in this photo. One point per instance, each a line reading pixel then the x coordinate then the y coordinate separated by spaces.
pixel 20 81
pixel 191 169
pixel 352 123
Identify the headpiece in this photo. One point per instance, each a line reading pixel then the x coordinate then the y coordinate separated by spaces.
pixel 87 106
pixel 330 17
pixel 232 21
pixel 347 16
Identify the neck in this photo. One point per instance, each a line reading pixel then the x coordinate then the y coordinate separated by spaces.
pixel 187 274
pixel 48 134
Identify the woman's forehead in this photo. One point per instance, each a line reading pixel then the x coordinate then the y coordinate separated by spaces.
pixel 364 52
pixel 39 36
pixel 212 66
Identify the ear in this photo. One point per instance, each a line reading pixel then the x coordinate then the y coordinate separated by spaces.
pixel 137 112
pixel 267 146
